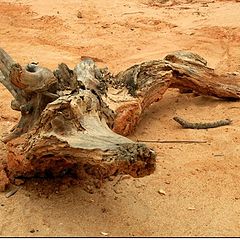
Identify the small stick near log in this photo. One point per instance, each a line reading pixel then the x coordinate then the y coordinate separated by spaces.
pixel 172 141
pixel 128 13
pixel 12 192
pixel 200 125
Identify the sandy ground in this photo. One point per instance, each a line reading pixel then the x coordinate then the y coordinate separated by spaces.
pixel 201 181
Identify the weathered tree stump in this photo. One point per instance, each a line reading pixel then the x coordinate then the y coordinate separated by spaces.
pixel 75 120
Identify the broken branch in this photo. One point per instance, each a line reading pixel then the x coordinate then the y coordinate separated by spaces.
pixel 200 125
pixel 172 141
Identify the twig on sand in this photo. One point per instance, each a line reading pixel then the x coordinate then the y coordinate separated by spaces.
pixel 172 141
pixel 127 13
pixel 12 192
pixel 200 125
pixel 119 179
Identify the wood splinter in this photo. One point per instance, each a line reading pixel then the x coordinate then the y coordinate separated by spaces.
pixel 200 125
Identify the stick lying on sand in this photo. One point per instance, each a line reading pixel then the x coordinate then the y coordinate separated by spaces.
pixel 172 141
pixel 200 125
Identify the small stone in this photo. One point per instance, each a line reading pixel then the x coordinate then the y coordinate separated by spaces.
pixel 89 189
pixel 105 26
pixel 19 182
pixel 111 178
pixel 97 183
pixel 117 191
pixel 161 192
pixel 191 208
pixel 167 182
pixel 236 73
pixel 32 231
pixel 139 184
pixel 104 233
pixel 104 210
pixel 63 187
pixel 27 194
pixel 79 14
pixel 125 177
pixel 2 205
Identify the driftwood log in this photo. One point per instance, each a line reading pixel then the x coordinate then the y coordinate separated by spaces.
pixel 74 121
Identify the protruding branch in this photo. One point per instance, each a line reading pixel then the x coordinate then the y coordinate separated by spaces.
pixel 145 83
pixel 6 63
pixel 191 72
pixel 38 79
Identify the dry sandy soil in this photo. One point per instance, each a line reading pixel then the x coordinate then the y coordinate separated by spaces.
pixel 201 181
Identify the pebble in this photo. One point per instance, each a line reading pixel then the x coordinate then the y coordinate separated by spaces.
pixel 79 14
pixel 19 182
pixel 117 191
pixel 191 208
pixel 161 192
pixel 111 178
pixel 104 233
pixel 63 187
pixel 89 189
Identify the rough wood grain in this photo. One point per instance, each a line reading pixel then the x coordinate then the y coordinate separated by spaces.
pixel 73 120
pixel 72 135
pixel 142 84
